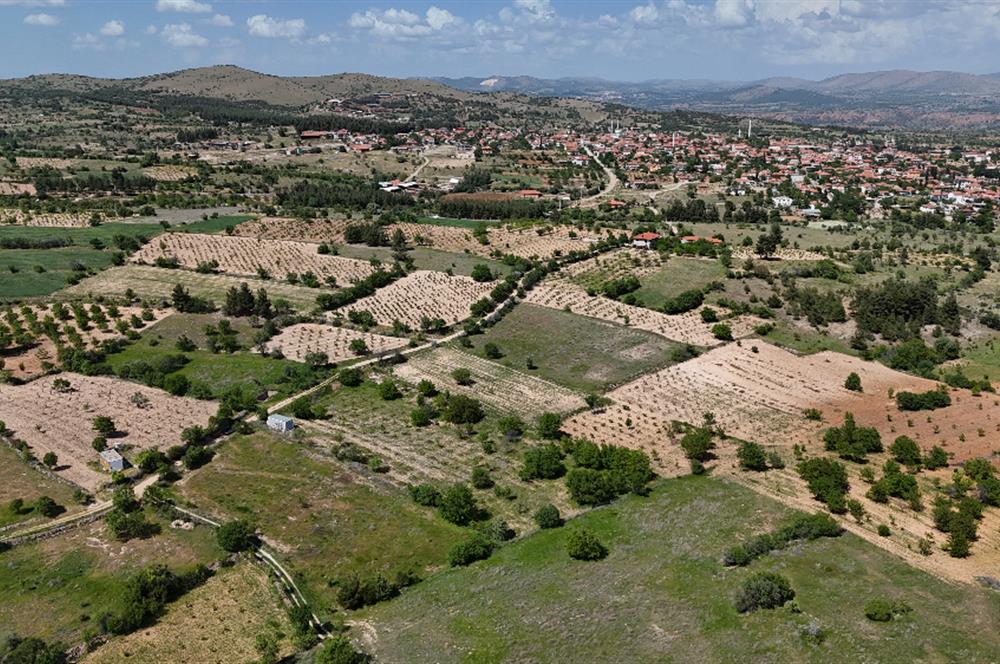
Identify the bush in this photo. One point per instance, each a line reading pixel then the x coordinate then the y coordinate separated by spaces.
pixel 905 451
pixel 236 536
pixel 350 377
pixel 722 332
pixel 462 376
pixel 481 478
pixel 425 494
pixel 751 456
pixel 590 487
pixel 548 425
pixel 852 442
pixel 461 409
pixel 884 610
pixel 936 458
pixel 543 462
pixel 827 480
pixel 883 530
pixel 802 527
pixel 929 400
pixel 492 351
pixel 477 547
pixel 683 302
pixel 388 390
pixel 763 590
pixel 548 516
pixel 697 443
pixel 583 544
pixel 31 651
pixel 338 650
pixel 853 382
pixel 457 505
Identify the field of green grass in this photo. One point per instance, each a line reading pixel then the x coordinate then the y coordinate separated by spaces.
pixel 450 221
pixel 678 275
pixel 981 358
pixel 55 589
pixel 19 480
pixel 805 342
pixel 37 272
pixel 325 518
pixel 218 371
pixel 584 354
pixel 663 595
pixel 213 225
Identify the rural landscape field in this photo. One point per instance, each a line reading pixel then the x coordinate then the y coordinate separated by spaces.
pixel 347 368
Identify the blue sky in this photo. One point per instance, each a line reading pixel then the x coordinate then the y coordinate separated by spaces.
pixel 621 40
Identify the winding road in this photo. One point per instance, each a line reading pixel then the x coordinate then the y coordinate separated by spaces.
pixel 591 201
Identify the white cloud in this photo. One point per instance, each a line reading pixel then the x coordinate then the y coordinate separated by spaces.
pixel 537 10
pixel 87 40
pixel 181 35
pixel 437 24
pixel 735 13
pixel 645 14
pixel 184 6
pixel 113 29
pixel 439 19
pixel 220 21
pixel 263 25
pixel 47 20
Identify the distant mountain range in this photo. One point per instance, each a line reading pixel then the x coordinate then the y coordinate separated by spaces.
pixel 896 98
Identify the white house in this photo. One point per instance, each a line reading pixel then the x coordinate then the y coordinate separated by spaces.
pixel 782 201
pixel 280 423
pixel 113 461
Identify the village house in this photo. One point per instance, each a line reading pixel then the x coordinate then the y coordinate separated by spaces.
pixel 280 423
pixel 645 240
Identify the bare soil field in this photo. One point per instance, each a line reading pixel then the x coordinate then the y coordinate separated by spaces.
pixel 217 622
pixel 241 255
pixel 16 189
pixel 168 173
pixel 156 283
pixel 423 294
pixel 685 328
pixel 54 219
pixel 52 421
pixel 624 262
pixel 297 341
pixel 503 388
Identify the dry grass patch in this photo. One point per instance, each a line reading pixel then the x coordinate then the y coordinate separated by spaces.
pixel 168 173
pixel 503 388
pixel 54 219
pixel 297 341
pixel 61 422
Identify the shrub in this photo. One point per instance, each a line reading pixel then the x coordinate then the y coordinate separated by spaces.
pixel 457 505
pixel 350 377
pixel 338 650
pixel 884 610
pixel 697 443
pixel 548 516
pixel 462 376
pixel 683 302
pixel 425 494
pixel 492 351
pixel 751 456
pixel 929 400
pixel 827 480
pixel 763 590
pixel 852 442
pixel 236 536
pixel 548 425
pixel 481 478
pixel 590 487
pixel 388 390
pixel 583 544
pixel 477 547
pixel 461 409
pixel 883 530
pixel 543 462
pixel 853 382
pixel 45 506
pixel 905 451
pixel 802 527
pixel 722 332
pixel 936 458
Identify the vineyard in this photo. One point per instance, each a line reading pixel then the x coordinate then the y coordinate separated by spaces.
pixel 168 173
pixel 423 295
pixel 781 254
pixel 157 283
pixel 685 328
pixel 593 272
pixel 505 389
pixel 53 419
pixel 246 256
pixel 299 340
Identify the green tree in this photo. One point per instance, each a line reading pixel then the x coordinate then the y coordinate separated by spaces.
pixel 583 544
pixel 548 425
pixel 236 536
pixel 853 382
pixel 763 590
pixel 457 505
pixel 548 516
pixel 50 460
pixel 338 650
pixel 751 456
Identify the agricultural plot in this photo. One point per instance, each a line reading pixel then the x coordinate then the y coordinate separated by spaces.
pixel 15 216
pixel 297 341
pixel 20 480
pixel 39 356
pixel 677 275
pixel 157 283
pixel 584 354
pixel 60 421
pixel 244 256
pixel 531 602
pixel 216 622
pixel 685 328
pixel 325 519
pixel 423 294
pixel 782 254
pixel 503 388
pixel 168 173
pixel 593 272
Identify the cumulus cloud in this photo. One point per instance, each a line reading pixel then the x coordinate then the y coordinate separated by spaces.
pixel 181 35
pixel 263 25
pixel 113 28
pixel 47 20
pixel 33 3
pixel 220 21
pixel 735 13
pixel 403 25
pixel 184 6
